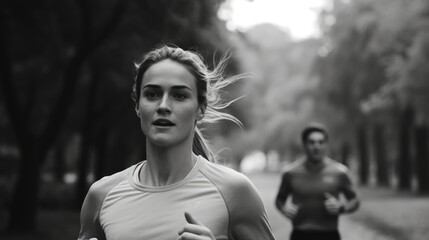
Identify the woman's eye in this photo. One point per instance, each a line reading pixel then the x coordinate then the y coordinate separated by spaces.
pixel 179 96
pixel 151 94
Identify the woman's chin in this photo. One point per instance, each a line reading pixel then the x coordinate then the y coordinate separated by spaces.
pixel 168 139
pixel 164 140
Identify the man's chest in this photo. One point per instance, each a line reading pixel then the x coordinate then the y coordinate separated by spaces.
pixel 314 184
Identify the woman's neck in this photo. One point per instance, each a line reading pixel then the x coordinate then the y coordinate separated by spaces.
pixel 167 165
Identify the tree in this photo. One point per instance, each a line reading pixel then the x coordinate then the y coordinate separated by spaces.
pixel 46 53
pixel 35 143
pixel 374 56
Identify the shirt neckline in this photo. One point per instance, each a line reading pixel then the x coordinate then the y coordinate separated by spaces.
pixel 134 181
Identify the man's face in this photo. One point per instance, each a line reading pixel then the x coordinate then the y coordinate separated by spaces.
pixel 315 146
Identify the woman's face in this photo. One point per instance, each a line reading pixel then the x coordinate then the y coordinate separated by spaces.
pixel 168 107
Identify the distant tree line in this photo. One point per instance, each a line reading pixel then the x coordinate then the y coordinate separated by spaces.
pixel 374 76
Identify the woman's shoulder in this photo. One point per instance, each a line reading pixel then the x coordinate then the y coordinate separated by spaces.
pixel 238 192
pixel 97 192
pixel 224 175
pixel 232 184
pixel 101 187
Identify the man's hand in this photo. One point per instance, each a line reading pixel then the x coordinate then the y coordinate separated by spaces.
pixel 333 205
pixel 194 230
pixel 290 209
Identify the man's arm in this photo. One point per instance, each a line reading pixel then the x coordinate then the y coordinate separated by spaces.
pixel 349 189
pixel 283 193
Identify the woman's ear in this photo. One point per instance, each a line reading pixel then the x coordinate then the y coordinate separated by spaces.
pixel 137 110
pixel 201 112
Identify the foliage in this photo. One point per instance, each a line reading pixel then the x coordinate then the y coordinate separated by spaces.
pixel 377 55
pixel 277 95
pixel 67 70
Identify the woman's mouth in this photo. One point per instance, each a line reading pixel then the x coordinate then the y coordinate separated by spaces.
pixel 163 123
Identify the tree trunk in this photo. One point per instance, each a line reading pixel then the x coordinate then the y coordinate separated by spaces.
pixel 23 211
pixel 81 186
pixel 404 161
pixel 100 169
pixel 24 205
pixel 345 153
pixel 59 164
pixel 86 143
pixel 380 156
pixel 363 155
pixel 422 161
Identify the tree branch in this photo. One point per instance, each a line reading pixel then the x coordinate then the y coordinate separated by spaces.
pixel 71 73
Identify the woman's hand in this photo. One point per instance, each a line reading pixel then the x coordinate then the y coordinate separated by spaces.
pixel 194 230
pixel 333 205
pixel 290 209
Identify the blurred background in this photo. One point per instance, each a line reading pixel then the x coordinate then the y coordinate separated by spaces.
pixel 358 66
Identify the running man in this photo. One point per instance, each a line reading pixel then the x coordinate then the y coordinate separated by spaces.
pixel 316 190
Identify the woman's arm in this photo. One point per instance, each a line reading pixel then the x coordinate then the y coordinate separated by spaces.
pixel 90 213
pixel 248 218
pixel 90 226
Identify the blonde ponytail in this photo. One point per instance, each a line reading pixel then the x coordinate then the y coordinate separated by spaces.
pixel 201 147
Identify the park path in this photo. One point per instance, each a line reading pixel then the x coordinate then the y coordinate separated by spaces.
pixel 384 214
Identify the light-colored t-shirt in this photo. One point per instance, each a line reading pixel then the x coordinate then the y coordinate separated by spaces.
pixel 308 191
pixel 119 207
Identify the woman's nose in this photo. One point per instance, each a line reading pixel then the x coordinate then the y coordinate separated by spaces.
pixel 164 105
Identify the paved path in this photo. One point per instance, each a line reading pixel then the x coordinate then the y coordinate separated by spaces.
pixel 350 228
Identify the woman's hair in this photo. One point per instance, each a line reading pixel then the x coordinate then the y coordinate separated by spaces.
pixel 208 82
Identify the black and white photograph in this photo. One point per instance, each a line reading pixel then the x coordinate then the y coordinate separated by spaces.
pixel 214 120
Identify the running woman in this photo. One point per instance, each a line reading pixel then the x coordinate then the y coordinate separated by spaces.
pixel 312 189
pixel 178 192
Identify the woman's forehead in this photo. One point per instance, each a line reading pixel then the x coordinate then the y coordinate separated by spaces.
pixel 168 71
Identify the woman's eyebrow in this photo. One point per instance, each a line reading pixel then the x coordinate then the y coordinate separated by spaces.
pixel 175 87
pixel 178 87
pixel 151 86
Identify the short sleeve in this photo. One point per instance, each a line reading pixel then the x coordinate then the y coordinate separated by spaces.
pixel 90 213
pixel 248 218
pixel 90 226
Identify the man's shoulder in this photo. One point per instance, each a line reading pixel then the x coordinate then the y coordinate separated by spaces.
pixel 334 166
pixel 296 166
